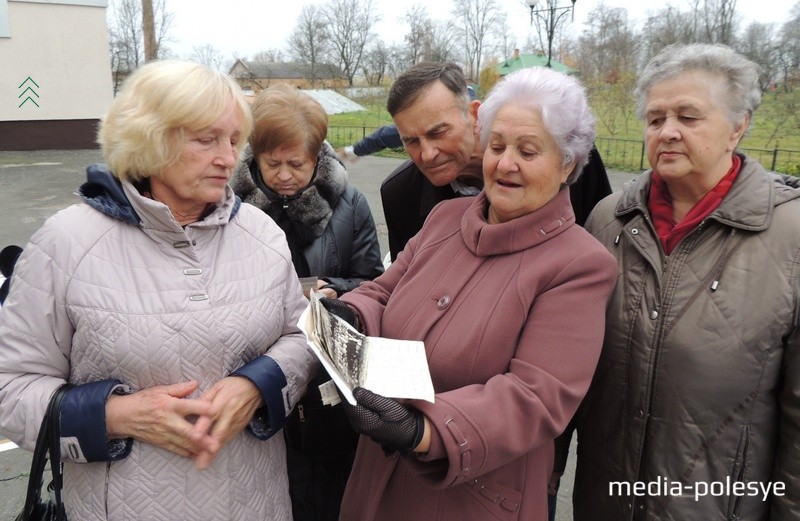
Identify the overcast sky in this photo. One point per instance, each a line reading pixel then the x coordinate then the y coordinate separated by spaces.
pixel 245 27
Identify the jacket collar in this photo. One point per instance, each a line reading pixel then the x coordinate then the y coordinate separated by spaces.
pixel 312 206
pixel 157 215
pixel 104 193
pixel 749 204
pixel 484 239
pixel 121 200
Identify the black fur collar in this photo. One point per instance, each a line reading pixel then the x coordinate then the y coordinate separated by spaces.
pixel 311 207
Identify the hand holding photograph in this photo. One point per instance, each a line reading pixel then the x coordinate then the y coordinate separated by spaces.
pixel 389 367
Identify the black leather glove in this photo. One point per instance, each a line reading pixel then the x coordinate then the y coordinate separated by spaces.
pixel 341 310
pixel 394 426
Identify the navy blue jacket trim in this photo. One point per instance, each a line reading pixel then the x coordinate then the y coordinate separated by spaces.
pixel 103 192
pixel 237 203
pixel 83 416
pixel 266 374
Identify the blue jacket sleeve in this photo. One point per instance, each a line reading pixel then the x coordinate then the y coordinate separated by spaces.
pixel 83 424
pixel 385 137
pixel 267 375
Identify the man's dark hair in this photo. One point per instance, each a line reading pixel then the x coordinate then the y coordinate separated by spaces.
pixel 411 83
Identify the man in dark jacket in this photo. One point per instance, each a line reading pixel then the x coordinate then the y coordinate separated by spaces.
pixel 436 117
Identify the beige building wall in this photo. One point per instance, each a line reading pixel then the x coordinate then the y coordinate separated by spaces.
pixel 63 47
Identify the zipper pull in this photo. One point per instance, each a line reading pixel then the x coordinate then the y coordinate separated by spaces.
pixel 285 202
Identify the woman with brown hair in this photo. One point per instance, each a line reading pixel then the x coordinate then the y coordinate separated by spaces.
pixel 290 172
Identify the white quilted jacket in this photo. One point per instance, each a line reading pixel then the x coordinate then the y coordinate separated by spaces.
pixel 97 298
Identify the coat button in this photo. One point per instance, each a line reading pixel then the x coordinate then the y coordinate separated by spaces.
pixel 635 231
pixel 640 414
pixel 443 302
pixel 653 315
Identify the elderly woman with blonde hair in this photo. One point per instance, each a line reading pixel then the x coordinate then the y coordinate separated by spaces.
pixel 508 295
pixel 171 307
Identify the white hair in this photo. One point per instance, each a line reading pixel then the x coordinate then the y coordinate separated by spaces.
pixel 560 99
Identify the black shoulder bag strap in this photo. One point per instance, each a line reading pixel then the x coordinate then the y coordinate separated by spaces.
pixel 48 444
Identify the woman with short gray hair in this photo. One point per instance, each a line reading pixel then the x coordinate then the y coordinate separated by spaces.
pixel 696 399
pixel 508 295
pixel 739 76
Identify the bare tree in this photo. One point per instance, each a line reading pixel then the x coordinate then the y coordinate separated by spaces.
pixel 209 56
pixel 718 20
pixel 789 48
pixel 505 42
pixel 708 21
pixel 530 46
pixel 666 27
pixel 476 20
pixel 309 40
pixel 126 35
pixel 376 63
pixel 419 38
pixel 350 24
pixel 443 42
pixel 269 56
pixel 759 43
pixel 608 47
pixel 397 57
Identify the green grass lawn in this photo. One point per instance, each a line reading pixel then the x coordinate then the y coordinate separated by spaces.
pixel 776 123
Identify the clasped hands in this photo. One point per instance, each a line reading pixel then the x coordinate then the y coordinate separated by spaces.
pixel 190 427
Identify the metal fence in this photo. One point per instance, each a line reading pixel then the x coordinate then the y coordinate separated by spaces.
pixel 619 154
pixel 340 136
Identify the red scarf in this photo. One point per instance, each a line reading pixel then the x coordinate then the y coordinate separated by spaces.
pixel 669 232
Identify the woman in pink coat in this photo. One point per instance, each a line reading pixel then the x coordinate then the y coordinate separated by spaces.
pixel 509 296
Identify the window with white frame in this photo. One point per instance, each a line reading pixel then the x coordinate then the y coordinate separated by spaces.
pixel 5 26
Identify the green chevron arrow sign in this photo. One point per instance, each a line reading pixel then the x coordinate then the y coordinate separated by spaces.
pixel 29 91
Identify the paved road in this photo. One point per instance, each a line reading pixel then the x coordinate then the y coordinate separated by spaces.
pixel 35 185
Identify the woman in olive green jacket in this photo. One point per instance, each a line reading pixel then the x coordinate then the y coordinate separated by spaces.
pixel 694 411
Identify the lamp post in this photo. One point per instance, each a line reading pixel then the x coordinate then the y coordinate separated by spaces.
pixel 551 15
